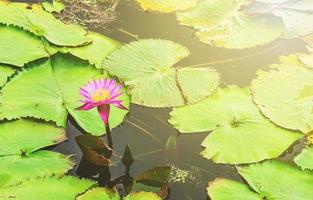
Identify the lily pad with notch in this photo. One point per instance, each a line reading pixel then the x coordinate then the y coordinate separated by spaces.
pixel 65 188
pixel 50 91
pixel 239 132
pixel 20 155
pixel 148 69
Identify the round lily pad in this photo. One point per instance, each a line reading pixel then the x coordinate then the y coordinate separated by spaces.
pixel 100 194
pixel 284 94
pixel 224 189
pixel 19 158
pixel 38 164
pixel 148 69
pixel 26 136
pixel 278 180
pixel 50 90
pixel 167 6
pixel 66 188
pixel 240 133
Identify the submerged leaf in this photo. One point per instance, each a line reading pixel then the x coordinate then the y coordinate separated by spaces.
pixel 147 68
pixel 167 6
pixel 5 73
pixel 305 158
pixel 66 188
pixel 284 94
pixel 100 194
pixel 94 149
pixel 156 177
pixel 277 180
pixel 18 47
pixel 224 189
pixel 240 133
pixel 49 90
pixel 41 23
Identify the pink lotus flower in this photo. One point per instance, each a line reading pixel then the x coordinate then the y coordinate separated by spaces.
pixel 101 93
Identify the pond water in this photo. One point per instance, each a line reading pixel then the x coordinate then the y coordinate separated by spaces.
pixel 147 131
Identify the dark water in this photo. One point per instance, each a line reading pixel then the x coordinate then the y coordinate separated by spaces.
pixel 146 130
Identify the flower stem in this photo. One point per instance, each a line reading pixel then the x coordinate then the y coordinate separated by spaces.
pixel 109 135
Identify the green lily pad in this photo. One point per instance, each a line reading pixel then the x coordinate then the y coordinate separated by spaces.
pixel 243 31
pixel 224 189
pixel 240 133
pixel 167 6
pixel 222 24
pixel 143 196
pixel 100 194
pixel 19 159
pixel 5 73
pixel 49 90
pixel 147 68
pixel 305 158
pixel 277 180
pixel 66 188
pixel 284 94
pixel 26 48
pixel 38 164
pixel 54 6
pixel 96 51
pixel 42 23
pixel 27 136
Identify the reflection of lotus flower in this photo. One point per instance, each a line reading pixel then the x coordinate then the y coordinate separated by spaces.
pixel 101 93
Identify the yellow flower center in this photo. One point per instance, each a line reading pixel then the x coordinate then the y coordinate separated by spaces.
pixel 100 95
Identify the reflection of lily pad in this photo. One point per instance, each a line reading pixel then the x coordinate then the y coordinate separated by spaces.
pixel 284 94
pixel 143 196
pixel 50 89
pixel 41 23
pixel 224 189
pixel 100 194
pixel 66 188
pixel 277 180
pixel 5 73
pixel 167 6
pixel 146 67
pixel 18 160
pixel 221 24
pixel 240 133
pixel 305 158
pixel 26 48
